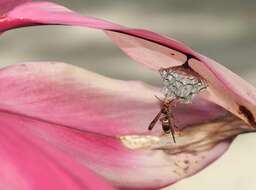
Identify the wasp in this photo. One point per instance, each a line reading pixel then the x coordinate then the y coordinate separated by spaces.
pixel 166 118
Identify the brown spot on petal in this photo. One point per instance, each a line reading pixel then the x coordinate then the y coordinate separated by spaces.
pixel 186 169
pixel 248 114
pixel 202 157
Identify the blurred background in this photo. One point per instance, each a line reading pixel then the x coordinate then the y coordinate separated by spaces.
pixel 222 30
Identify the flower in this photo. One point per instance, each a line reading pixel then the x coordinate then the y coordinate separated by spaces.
pixel 69 119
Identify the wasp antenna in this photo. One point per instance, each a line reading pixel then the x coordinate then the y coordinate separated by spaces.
pixel 159 99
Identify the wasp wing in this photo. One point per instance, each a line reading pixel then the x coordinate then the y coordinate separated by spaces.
pixel 153 122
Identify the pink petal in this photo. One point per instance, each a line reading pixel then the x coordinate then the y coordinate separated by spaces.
pixel 225 88
pixel 68 119
pixel 228 89
pixel 150 49
pixel 28 161
pixel 7 5
pixel 90 102
pixel 37 13
pixel 43 155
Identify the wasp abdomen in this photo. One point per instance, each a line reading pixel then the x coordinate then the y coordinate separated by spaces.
pixel 166 125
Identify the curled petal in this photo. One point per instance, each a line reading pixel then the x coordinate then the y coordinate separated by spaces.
pixel 227 89
pixel 7 5
pixel 38 13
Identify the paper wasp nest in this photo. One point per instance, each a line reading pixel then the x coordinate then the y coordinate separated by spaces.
pixel 180 84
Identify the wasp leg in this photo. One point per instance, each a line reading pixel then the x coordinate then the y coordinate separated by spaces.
pixel 172 120
pixel 173 127
pixel 173 133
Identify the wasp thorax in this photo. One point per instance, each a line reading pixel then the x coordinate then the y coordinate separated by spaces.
pixel 181 84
